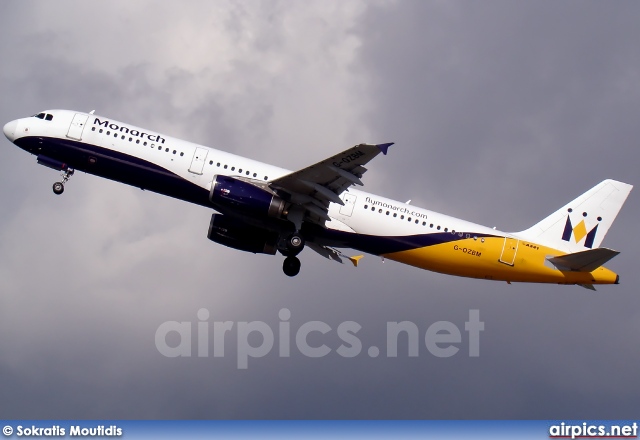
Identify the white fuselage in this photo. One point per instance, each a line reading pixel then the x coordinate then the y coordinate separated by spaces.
pixel 378 225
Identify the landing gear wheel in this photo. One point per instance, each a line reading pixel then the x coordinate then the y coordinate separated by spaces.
pixel 291 266
pixel 58 188
pixel 295 243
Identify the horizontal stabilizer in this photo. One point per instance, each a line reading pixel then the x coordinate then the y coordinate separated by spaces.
pixel 355 259
pixel 584 261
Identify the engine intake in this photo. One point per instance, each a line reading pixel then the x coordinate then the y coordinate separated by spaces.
pixel 245 197
pixel 237 235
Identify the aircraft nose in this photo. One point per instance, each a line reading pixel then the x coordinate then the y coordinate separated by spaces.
pixel 9 130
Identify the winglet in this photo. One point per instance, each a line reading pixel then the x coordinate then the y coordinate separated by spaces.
pixel 355 260
pixel 385 147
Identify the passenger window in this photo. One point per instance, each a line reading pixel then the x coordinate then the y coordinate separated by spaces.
pixel 181 154
pixel 254 174
pixel 225 167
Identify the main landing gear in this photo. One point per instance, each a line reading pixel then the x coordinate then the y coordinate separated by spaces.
pixel 290 247
pixel 58 187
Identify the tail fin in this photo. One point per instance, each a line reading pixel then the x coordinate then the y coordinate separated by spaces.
pixel 582 223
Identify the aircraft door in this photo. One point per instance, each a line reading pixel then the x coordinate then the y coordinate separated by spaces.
pixel 509 251
pixel 77 126
pixel 199 158
pixel 349 203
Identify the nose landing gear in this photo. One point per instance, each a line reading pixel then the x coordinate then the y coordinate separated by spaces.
pixel 58 187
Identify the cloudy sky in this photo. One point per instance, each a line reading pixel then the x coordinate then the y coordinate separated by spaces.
pixel 501 111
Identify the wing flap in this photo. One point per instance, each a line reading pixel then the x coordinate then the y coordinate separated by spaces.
pixel 323 182
pixel 584 261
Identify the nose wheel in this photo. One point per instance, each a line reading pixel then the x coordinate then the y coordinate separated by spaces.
pixel 58 187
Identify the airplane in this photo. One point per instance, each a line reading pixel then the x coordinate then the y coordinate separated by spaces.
pixel 265 209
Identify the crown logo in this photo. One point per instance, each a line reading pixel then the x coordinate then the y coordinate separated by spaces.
pixel 580 231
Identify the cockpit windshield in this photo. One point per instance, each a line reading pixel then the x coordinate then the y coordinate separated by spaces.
pixel 45 116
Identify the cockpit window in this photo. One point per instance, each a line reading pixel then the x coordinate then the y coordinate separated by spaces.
pixel 45 116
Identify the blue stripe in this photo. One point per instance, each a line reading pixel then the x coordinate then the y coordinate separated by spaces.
pixel 141 173
pixel 117 166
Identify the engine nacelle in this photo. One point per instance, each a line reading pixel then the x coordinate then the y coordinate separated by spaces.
pixel 245 198
pixel 237 235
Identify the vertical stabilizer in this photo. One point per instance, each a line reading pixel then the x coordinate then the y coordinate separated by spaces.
pixel 582 223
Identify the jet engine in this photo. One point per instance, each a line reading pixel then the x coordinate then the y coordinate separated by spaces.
pixel 245 198
pixel 238 235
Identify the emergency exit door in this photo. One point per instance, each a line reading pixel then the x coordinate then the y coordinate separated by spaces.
pixel 349 202
pixel 197 163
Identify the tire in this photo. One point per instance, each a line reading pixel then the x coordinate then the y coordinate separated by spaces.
pixel 58 188
pixel 291 266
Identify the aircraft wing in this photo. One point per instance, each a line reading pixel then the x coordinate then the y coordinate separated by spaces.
pixel 314 187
